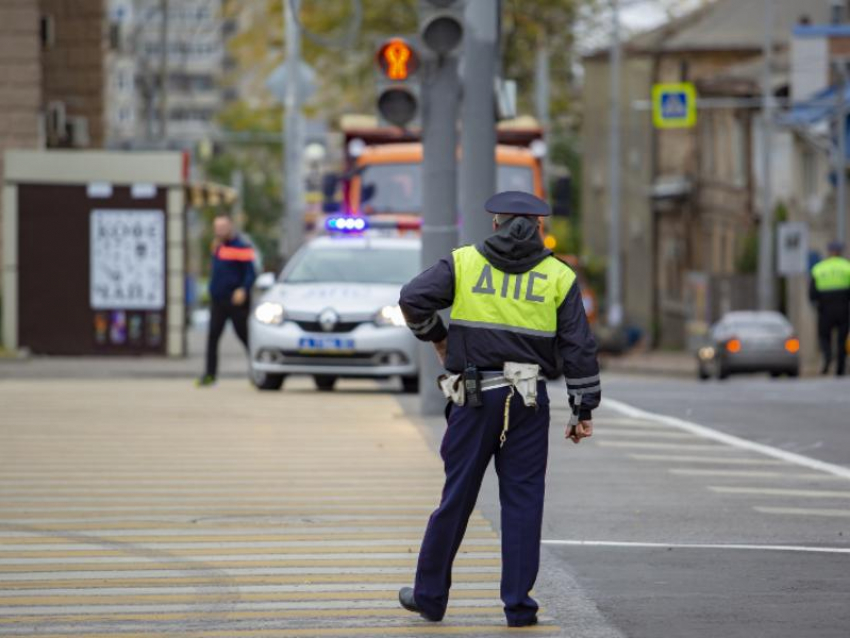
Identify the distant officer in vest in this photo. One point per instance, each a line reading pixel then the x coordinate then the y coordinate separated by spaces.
pixel 517 319
pixel 830 292
pixel 232 277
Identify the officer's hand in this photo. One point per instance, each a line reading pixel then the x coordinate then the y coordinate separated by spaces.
pixel 238 297
pixel 441 347
pixel 580 431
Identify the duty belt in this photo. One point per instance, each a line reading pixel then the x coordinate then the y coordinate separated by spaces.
pixel 520 377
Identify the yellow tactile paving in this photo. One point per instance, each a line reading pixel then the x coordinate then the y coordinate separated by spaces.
pixel 150 508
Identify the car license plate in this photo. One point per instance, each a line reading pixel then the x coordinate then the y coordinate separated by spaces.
pixel 325 344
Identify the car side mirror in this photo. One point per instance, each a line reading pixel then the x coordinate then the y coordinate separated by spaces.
pixel 265 281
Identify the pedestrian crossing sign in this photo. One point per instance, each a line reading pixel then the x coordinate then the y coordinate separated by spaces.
pixel 674 105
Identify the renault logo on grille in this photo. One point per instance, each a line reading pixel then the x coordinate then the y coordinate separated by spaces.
pixel 328 320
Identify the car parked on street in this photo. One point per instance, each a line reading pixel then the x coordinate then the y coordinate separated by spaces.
pixel 750 341
pixel 333 312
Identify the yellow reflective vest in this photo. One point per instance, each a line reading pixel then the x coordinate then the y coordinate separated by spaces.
pixel 525 303
pixel 831 274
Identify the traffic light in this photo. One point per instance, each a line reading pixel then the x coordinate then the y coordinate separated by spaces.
pixel 398 91
pixel 441 24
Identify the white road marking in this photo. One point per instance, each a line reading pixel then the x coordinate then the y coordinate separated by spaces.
pixel 803 511
pixel 282 530
pixel 773 548
pixel 676 458
pixel 644 434
pixel 774 491
pixel 748 474
pixel 731 440
pixel 651 445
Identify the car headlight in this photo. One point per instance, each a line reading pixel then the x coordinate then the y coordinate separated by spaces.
pixel 269 313
pixel 390 316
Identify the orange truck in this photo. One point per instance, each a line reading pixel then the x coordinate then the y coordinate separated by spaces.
pixel 384 165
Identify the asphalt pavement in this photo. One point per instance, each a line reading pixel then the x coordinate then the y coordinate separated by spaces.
pixel 665 523
pixel 665 532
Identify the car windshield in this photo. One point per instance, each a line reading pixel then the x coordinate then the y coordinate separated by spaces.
pixel 354 265
pixel 754 327
pixel 397 188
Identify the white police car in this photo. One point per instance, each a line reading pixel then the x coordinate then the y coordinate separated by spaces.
pixel 333 312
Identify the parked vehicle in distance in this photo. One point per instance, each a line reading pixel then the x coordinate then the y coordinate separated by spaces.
pixel 750 341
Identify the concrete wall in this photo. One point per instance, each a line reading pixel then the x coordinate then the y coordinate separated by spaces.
pixel 20 79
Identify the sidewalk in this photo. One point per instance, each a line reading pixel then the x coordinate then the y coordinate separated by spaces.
pixel 151 508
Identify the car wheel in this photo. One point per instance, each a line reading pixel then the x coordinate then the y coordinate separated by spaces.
pixel 794 373
pixel 267 380
pixel 775 375
pixel 410 385
pixel 722 371
pixel 324 382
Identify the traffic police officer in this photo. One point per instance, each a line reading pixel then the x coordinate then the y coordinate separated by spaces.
pixel 517 318
pixel 830 292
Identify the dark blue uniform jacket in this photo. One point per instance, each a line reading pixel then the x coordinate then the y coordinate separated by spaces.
pixel 572 352
pixel 232 268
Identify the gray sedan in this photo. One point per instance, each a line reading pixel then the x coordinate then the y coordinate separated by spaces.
pixel 757 341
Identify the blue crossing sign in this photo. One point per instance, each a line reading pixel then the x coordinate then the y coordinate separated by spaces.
pixel 674 105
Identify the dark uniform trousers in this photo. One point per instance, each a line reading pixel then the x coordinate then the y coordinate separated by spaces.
pixel 220 312
pixel 471 439
pixel 833 319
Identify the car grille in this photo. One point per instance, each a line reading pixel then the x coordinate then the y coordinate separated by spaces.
pixel 360 359
pixel 315 326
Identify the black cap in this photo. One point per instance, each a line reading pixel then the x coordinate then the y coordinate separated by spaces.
pixel 835 247
pixel 517 203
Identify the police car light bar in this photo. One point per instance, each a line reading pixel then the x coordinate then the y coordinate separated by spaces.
pixel 357 224
pixel 346 224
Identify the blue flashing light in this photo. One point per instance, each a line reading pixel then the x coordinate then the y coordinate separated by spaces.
pixel 349 224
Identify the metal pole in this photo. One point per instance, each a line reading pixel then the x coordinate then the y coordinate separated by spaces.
pixel 292 222
pixel 441 98
pixel 541 102
pixel 614 274
pixel 478 135
pixel 163 73
pixel 766 296
pixel 841 155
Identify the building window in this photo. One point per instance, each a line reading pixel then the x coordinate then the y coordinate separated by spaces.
pixel 809 174
pixel 707 145
pixel 47 31
pixel 740 176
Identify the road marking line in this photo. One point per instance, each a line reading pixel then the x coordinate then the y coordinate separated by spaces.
pixel 191 595
pixel 803 511
pixel 324 580
pixel 773 491
pixel 189 537
pixel 315 606
pixel 651 445
pixel 390 611
pixel 302 632
pixel 773 548
pixel 747 474
pixel 183 567
pixel 316 542
pixel 704 459
pixel 645 434
pixel 729 439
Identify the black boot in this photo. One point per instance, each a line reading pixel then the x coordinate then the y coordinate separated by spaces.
pixel 408 601
pixel 523 623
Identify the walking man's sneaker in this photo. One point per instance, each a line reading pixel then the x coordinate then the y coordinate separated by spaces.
pixel 205 381
pixel 408 601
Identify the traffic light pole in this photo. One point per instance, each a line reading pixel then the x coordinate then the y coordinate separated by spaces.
pixel 441 98
pixel 292 223
pixel 478 136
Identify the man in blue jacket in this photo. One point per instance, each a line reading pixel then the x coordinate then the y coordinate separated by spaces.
pixel 233 274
